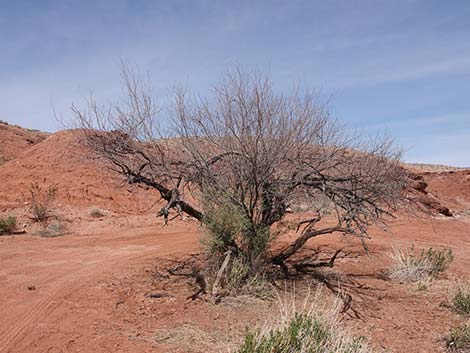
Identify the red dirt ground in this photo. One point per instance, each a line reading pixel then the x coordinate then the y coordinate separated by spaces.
pixel 14 140
pixel 88 291
pixel 82 183
pixel 452 188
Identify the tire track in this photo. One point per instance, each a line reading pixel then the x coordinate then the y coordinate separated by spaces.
pixel 73 268
pixel 55 299
pixel 33 314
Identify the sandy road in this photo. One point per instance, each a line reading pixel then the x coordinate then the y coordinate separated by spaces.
pixel 62 267
pixel 77 304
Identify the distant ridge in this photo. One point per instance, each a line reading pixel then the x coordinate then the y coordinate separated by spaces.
pixel 425 167
pixel 31 156
pixel 14 140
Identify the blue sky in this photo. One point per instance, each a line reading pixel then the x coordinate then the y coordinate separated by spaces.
pixel 399 66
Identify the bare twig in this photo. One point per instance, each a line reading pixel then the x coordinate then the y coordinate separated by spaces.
pixel 220 273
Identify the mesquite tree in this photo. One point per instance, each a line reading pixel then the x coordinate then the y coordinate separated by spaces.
pixel 254 151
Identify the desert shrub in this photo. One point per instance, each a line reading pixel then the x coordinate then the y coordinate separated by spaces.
pixel 254 151
pixel 439 260
pixel 460 298
pixel 459 339
pixel 312 330
pixel 225 228
pixel 55 229
pixel 240 280
pixel 7 225
pixel 221 227
pixel 232 275
pixel 42 201
pixel 410 266
pixel 97 212
pixel 237 274
pixel 228 226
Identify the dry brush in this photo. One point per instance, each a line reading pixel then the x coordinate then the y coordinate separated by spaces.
pixel 249 150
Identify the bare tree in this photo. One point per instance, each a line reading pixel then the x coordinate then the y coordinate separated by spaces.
pixel 127 137
pixel 264 153
pixel 250 149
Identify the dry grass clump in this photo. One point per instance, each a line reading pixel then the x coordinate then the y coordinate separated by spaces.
pixel 7 225
pixel 42 202
pixel 459 339
pixel 97 212
pixel 410 266
pixel 311 328
pixel 55 229
pixel 232 276
pixel 460 297
pixel 192 338
pixel 240 282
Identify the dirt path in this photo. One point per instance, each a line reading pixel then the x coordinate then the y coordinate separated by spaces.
pixel 91 291
pixel 61 268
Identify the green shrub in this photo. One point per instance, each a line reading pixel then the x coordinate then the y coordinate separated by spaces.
pixel 42 202
pixel 226 227
pixel 222 226
pixel 7 225
pixel 459 339
pixel 306 331
pixel 461 298
pixel 439 260
pixel 291 338
pixel 413 267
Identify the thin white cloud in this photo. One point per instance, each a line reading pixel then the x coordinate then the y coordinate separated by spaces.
pixel 453 119
pixel 60 53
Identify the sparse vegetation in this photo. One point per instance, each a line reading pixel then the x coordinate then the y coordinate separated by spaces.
pixel 55 229
pixel 281 204
pixel 423 285
pixel 439 260
pixel 412 267
pixel 225 231
pixel 42 202
pixel 222 227
pixel 460 298
pixel 239 280
pixel 459 339
pixel 230 228
pixel 97 212
pixel 7 225
pixel 253 151
pixel 308 330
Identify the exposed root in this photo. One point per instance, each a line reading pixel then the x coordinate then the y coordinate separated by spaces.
pixel 302 266
pixel 194 273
